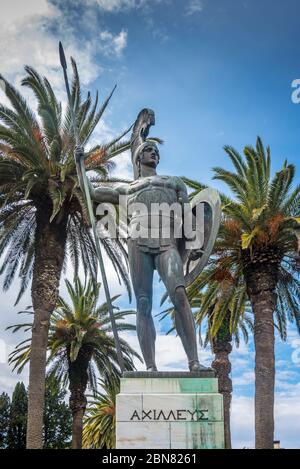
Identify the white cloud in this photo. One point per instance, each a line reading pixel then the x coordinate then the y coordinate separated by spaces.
pixel 242 422
pixel 169 352
pixel 123 167
pixel 14 10
pixel 240 363
pixel 26 37
pixel 287 420
pixel 194 7
pixel 113 44
pixel 116 5
pixel 120 42
pixel 244 379
pixel 8 380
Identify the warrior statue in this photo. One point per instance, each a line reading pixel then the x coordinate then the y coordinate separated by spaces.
pixel 176 265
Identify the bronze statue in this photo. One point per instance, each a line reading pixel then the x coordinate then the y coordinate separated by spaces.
pixel 177 266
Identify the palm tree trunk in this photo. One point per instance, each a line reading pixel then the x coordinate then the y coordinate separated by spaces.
pixel 50 241
pixel 78 378
pixel 261 285
pixel 222 348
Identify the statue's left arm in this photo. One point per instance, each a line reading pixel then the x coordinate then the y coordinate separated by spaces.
pixel 189 219
pixel 182 194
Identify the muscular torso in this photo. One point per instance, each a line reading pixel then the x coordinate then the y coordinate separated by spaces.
pixel 153 189
pixel 148 191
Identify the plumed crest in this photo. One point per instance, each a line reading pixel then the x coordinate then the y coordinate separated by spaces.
pixel 144 120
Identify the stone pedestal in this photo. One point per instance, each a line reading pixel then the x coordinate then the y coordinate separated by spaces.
pixel 169 410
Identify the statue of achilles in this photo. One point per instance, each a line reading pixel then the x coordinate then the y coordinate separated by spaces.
pixel 146 253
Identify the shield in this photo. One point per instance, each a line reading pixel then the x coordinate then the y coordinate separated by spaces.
pixel 210 217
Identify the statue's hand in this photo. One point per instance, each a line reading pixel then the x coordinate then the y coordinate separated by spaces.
pixel 195 254
pixel 79 153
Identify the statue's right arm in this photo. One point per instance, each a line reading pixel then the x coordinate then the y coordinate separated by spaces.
pixel 79 158
pixel 106 194
pixel 101 194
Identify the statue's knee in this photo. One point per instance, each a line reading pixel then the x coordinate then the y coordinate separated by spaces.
pixel 180 296
pixel 144 305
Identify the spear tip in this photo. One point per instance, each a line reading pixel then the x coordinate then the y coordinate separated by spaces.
pixel 62 56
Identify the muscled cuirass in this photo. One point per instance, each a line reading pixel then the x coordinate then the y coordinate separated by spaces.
pixel 153 225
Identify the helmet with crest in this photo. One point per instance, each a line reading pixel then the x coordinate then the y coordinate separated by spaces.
pixel 139 140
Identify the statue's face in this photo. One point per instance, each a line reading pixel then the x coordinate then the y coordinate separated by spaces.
pixel 150 156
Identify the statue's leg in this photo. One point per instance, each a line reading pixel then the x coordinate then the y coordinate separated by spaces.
pixel 170 269
pixel 141 269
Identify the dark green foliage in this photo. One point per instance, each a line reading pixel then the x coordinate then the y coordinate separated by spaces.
pixel 4 419
pixel 18 417
pixel 57 417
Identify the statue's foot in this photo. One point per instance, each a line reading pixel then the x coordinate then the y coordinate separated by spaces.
pixel 152 368
pixel 194 365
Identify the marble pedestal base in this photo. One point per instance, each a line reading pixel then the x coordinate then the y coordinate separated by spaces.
pixel 173 410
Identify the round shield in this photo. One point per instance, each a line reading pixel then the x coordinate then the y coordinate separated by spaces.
pixel 206 207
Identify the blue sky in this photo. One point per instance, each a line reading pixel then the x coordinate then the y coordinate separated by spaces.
pixel 216 72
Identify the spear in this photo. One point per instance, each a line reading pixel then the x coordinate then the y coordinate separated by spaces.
pixel 91 213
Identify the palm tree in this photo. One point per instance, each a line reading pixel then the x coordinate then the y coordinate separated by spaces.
pixel 43 216
pixel 222 348
pixel 219 300
pixel 100 422
pixel 258 240
pixel 80 344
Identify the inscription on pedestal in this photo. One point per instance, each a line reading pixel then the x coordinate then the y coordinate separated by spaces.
pixel 182 416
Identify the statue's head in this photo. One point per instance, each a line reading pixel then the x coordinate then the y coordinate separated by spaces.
pixel 147 155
